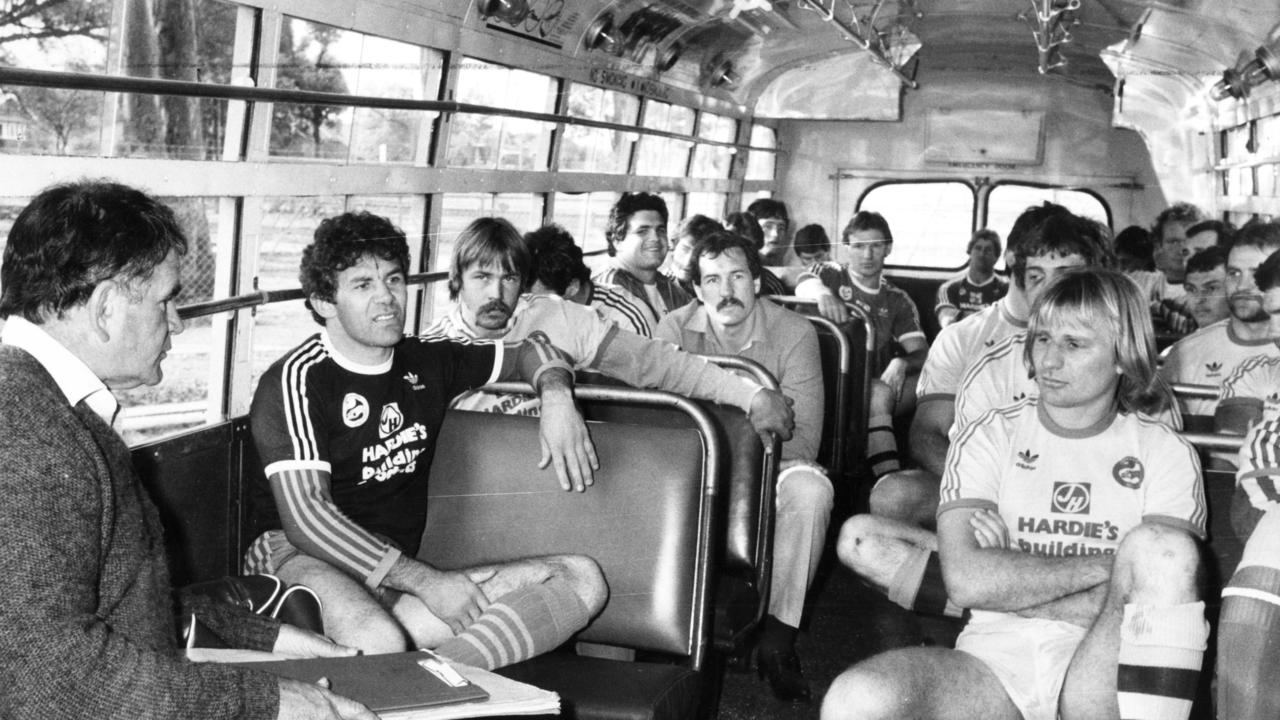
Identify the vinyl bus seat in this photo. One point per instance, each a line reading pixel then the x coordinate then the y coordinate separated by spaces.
pixel 744 550
pixel 648 521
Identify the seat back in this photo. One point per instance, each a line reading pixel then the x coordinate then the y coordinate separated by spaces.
pixel 859 344
pixel 744 547
pixel 837 356
pixel 648 520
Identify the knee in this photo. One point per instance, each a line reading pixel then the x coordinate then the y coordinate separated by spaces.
pixel 1157 563
pixel 861 693
pixel 905 495
pixel 805 491
pixel 587 580
pixel 850 544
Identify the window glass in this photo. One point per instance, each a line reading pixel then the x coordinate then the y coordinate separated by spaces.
pixel 322 58
pixel 163 43
pixel 1007 201
pixel 660 155
pixel 496 142
pixel 596 149
pixel 931 221
pixel 714 161
pixel 181 399
pixel 761 163
pixel 585 216
pixel 675 206
pixel 705 203
pixel 523 210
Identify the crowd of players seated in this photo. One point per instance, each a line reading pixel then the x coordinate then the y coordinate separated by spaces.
pixel 1047 496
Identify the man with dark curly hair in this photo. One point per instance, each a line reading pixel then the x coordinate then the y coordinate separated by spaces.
pixel 345 425
pixel 637 235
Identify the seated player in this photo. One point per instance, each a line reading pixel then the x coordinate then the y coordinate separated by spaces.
pixel 1248 390
pixel 730 320
pixel 978 286
pixel 1069 525
pixel 565 274
pixel 688 232
pixel 487 277
pixel 746 225
pixel 1206 286
pixel 812 245
pixel 346 424
pixel 900 342
pixel 775 221
pixel 637 237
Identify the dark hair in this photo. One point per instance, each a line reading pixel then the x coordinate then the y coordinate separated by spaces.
pixel 715 244
pixel 556 259
pixel 812 239
pixel 1261 235
pixel 984 234
pixel 1182 212
pixel 1065 234
pixel 867 220
pixel 620 215
pixel 342 241
pixel 769 209
pixel 72 237
pixel 488 240
pixel 1029 220
pixel 1224 230
pixel 1207 259
pixel 697 226
pixel 1135 240
pixel 746 225
pixel 1267 276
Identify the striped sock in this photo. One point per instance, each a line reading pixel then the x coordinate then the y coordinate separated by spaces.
pixel 1161 651
pixel 882 446
pixel 918 586
pixel 519 625
pixel 1249 645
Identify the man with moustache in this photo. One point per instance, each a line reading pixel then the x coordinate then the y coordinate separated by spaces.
pixel 345 426
pixel 730 320
pixel 637 236
pixel 775 223
pixel 488 274
pixel 1211 355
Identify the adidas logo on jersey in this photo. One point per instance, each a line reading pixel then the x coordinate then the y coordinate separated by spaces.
pixel 412 379
pixel 1273 398
pixel 1026 460
pixel 1213 367
pixel 989 343
pixel 1020 396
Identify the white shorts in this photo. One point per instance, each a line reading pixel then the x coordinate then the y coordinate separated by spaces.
pixel 1029 656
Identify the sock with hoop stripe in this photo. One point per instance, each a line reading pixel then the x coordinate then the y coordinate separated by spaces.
pixel 519 625
pixel 1249 645
pixel 882 446
pixel 918 586
pixel 1161 651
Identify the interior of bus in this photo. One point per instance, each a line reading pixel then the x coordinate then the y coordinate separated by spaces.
pixel 254 120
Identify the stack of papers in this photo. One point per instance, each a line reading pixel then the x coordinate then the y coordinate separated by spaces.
pixel 403 686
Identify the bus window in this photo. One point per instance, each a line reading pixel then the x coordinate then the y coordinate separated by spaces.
pixel 713 161
pixel 1007 201
pixel 703 203
pixel 327 59
pixel 585 216
pixel 661 155
pixel 194 364
pixel 931 221
pixel 501 143
pixel 588 149
pixel 761 163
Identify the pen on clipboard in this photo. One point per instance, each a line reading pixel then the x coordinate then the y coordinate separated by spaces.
pixel 439 667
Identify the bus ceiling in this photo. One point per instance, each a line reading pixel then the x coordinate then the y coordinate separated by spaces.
pixel 853 59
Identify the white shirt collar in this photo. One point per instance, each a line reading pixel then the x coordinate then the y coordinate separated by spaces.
pixel 73 376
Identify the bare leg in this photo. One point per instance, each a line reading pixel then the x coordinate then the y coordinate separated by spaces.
pixel 352 615
pixel 909 496
pixel 918 683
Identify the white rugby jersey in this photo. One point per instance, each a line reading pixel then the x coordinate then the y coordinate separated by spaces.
pixel 959 344
pixel 1207 357
pixel 1068 492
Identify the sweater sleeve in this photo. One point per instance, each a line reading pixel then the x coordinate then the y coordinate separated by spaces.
pixel 648 363
pixel 86 626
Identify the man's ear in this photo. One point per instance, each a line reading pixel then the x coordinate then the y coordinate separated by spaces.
pixel 104 305
pixel 756 284
pixel 324 308
pixel 573 290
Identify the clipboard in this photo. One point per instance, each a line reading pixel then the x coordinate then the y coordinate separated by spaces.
pixel 383 683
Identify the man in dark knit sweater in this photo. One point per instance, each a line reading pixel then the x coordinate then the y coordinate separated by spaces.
pixel 87 618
